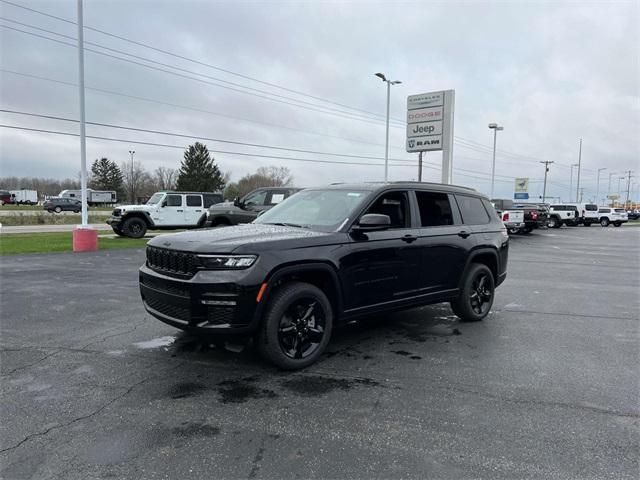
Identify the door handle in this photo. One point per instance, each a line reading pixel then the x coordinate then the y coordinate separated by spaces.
pixel 179 210
pixel 463 233
pixel 409 238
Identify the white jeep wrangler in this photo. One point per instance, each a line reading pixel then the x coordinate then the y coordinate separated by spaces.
pixel 163 211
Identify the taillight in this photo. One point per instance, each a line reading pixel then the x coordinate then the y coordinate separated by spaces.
pixel 534 215
pixel 505 217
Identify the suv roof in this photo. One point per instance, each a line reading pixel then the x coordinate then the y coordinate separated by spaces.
pixel 372 186
pixel 188 193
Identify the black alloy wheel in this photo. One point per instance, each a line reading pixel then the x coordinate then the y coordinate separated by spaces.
pixel 134 227
pixel 296 326
pixel 301 329
pixel 476 296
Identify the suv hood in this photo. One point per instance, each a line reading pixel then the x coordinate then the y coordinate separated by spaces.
pixel 137 208
pixel 247 238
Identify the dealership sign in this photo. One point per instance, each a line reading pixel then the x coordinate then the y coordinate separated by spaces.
pixel 430 121
pixel 521 189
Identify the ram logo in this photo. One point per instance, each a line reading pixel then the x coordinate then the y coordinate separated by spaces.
pixel 411 142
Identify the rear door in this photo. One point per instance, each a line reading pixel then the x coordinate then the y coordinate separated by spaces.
pixel 383 267
pixel 443 240
pixel 193 209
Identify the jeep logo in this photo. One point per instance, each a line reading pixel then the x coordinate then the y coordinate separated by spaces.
pixel 424 129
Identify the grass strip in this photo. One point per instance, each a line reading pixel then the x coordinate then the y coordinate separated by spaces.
pixel 25 243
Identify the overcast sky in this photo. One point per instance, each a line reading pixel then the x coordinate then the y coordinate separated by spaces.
pixel 549 72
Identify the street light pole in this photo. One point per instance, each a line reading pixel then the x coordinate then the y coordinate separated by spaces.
pixel 579 165
pixel 598 182
pixel 83 141
pixel 386 144
pixel 133 200
pixel 495 128
pixel 571 180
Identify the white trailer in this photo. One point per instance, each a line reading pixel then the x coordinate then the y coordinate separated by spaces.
pixel 24 197
pixel 94 197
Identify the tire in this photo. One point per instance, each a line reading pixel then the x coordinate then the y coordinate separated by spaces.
pixel 117 231
pixel 285 339
pixel 526 230
pixel 617 224
pixel 604 221
pixel 134 227
pixel 57 209
pixel 587 224
pixel 553 223
pixel 476 297
pixel 76 211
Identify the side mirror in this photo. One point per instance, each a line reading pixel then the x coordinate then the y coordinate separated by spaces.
pixel 372 222
pixel 164 203
pixel 236 202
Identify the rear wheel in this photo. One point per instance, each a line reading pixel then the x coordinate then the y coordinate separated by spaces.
pixel 617 224
pixel 553 223
pixel 134 227
pixel 604 221
pixel 476 297
pixel 526 230
pixel 587 224
pixel 296 327
pixel 57 209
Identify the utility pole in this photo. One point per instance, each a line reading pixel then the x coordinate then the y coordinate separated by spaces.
pixel 598 182
pixel 579 166
pixel 419 166
pixel 83 140
pixel 628 185
pixel 546 170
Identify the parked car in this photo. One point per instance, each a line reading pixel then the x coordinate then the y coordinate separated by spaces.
pixel 57 205
pixel 512 218
pixel 562 215
pixel 327 256
pixel 588 213
pixel 164 211
pixel 247 208
pixel 617 216
pixel 5 197
pixel 535 215
pixel 633 214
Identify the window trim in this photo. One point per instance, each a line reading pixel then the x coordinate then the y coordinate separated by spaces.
pixel 374 196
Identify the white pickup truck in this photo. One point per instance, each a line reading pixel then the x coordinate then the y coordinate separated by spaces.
pixel 513 219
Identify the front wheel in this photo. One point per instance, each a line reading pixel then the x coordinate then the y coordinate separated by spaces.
pixel 296 327
pixel 604 222
pixel 553 223
pixel 117 231
pixel 57 209
pixel 134 227
pixel 476 297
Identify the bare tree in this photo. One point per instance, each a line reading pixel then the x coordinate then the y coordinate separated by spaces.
pixel 165 178
pixel 136 179
pixel 264 177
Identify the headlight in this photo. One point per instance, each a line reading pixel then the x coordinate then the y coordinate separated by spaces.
pixel 222 262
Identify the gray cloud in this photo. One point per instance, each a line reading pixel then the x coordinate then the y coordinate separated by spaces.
pixel 549 72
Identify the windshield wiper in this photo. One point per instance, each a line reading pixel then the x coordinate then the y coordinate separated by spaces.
pixel 285 224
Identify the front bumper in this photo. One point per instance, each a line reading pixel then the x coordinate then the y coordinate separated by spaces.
pixel 211 303
pixel 114 221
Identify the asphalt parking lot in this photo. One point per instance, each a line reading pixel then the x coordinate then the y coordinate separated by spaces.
pixel 545 387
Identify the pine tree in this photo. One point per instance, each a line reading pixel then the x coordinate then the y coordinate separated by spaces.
pixel 198 171
pixel 106 175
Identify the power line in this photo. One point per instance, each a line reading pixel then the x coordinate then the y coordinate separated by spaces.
pixel 182 57
pixel 325 110
pixel 181 147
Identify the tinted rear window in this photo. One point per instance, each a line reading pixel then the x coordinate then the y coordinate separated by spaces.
pixel 194 201
pixel 620 210
pixel 472 210
pixel 435 209
pixel 591 208
pixel 605 210
pixel 212 199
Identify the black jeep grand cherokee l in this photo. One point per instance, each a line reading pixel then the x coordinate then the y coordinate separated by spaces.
pixel 326 256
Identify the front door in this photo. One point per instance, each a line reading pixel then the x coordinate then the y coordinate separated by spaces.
pixel 383 267
pixel 172 213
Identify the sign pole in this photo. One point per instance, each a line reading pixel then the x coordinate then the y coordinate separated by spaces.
pixel 447 137
pixel 420 166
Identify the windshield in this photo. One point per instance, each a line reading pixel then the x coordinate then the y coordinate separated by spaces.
pixel 155 199
pixel 324 210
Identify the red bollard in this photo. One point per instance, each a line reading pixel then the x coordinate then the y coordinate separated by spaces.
pixel 85 239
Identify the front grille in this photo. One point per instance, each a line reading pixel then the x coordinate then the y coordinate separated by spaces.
pixel 172 262
pixel 116 212
pixel 167 286
pixel 173 311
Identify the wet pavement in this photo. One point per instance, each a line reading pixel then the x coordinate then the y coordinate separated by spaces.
pixel 545 387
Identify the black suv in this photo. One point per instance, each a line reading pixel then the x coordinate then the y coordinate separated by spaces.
pixel 326 256
pixel 247 208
